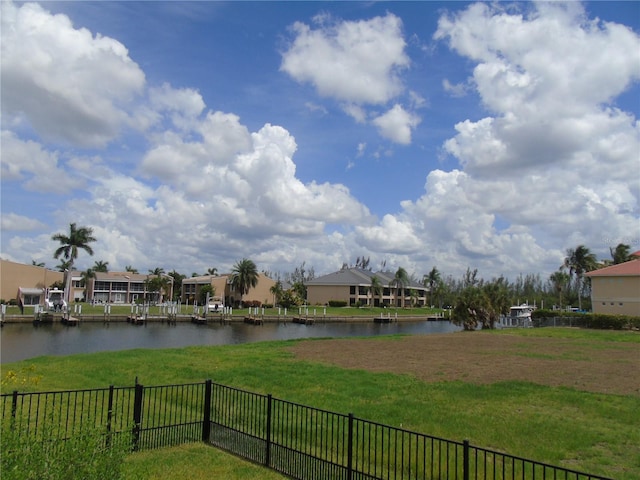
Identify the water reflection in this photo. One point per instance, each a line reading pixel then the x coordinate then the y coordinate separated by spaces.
pixel 23 341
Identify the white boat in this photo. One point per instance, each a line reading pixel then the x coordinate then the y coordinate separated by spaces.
pixel 55 300
pixel 215 305
pixel 519 316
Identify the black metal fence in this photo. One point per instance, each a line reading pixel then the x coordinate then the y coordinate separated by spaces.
pixel 299 441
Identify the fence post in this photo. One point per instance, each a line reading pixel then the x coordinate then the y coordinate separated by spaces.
pixel 206 418
pixel 14 408
pixel 137 415
pixel 465 460
pixel 350 449
pixel 109 415
pixel 267 457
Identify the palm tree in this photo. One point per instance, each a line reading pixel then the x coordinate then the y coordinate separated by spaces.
pixel 130 269
pixel 100 266
pixel 88 274
pixel 375 288
pixel 276 290
pixel 244 276
pixel 621 253
pixel 37 264
pixel 432 280
pixel 400 280
pixel 78 238
pixel 212 271
pixel 158 271
pixel 559 280
pixel 580 261
pixel 64 265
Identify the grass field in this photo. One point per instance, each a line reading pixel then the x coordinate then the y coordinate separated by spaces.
pixel 566 425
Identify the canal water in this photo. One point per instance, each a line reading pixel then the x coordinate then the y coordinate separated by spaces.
pixel 24 341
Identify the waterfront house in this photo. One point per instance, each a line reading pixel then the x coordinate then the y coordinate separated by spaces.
pixel 354 286
pixel 615 290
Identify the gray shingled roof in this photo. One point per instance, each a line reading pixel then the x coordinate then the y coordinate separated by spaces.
pixel 357 276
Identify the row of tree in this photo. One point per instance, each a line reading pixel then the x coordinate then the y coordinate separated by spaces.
pixel 566 286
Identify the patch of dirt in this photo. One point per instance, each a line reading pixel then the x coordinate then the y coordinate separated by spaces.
pixel 474 357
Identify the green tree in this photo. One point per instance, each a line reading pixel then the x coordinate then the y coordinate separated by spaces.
pixel 37 264
pixel 431 280
pixel 621 254
pixel 276 290
pixel 497 301
pixel 212 271
pixel 244 276
pixel 177 283
pixel 375 289
pixel 77 239
pixel 579 261
pixel 400 280
pixel 204 291
pixel 130 269
pixel 471 308
pixel 86 277
pixel 559 280
pixel 101 266
pixel 158 271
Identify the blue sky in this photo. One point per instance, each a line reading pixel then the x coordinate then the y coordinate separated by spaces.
pixel 190 135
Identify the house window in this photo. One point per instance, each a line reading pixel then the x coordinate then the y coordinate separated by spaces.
pixel 352 289
pixel 362 290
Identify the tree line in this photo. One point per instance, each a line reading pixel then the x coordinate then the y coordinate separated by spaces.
pixel 566 287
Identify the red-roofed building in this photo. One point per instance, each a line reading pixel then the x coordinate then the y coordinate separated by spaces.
pixel 615 290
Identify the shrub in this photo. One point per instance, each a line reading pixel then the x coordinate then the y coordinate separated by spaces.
pixel 592 320
pixel 337 303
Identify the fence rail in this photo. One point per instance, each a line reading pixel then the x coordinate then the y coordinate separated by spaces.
pixel 296 440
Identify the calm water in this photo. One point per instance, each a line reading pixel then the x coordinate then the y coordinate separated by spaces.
pixel 23 341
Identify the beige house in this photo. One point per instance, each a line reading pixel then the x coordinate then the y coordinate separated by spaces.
pixel 26 284
pixel 223 287
pixel 126 287
pixel 615 290
pixel 353 285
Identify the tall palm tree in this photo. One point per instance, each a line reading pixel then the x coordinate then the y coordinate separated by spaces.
pixel 158 271
pixel 400 280
pixel 559 280
pixel 432 279
pixel 78 238
pixel 101 266
pixel 87 275
pixel 621 253
pixel 375 288
pixel 212 271
pixel 580 261
pixel 130 269
pixel 244 276
pixel 276 290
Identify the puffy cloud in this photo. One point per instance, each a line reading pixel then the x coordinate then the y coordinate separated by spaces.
pixel 357 63
pixel 397 124
pixel 352 61
pixel 66 83
pixel 37 169
pixel 17 223
pixel 547 76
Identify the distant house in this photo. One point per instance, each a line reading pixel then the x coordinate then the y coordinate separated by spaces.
pixel 26 284
pixel 615 290
pixel 353 285
pixel 126 287
pixel 222 286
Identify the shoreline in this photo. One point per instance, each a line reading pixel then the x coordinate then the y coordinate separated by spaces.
pixel 240 318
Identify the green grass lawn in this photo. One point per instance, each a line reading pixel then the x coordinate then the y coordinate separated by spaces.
pixel 596 433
